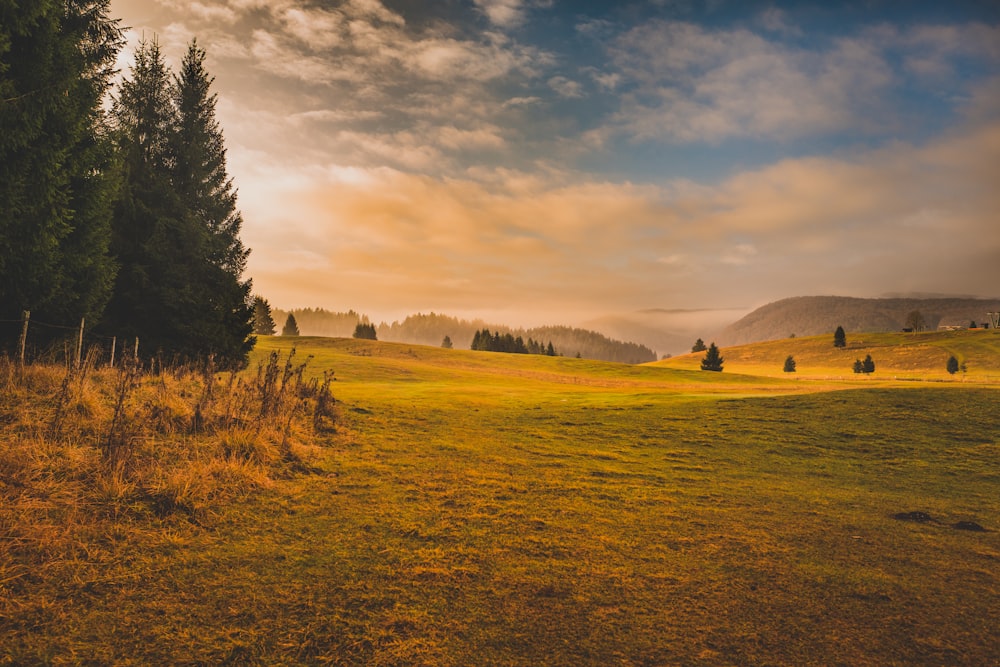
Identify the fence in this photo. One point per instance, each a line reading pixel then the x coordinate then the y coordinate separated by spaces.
pixel 71 342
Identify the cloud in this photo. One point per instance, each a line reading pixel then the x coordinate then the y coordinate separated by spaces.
pixel 899 218
pixel 566 87
pixel 695 84
pixel 688 83
pixel 504 13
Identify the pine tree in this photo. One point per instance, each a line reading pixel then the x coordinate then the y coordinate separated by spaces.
pixel 365 331
pixel 859 367
pixel 712 360
pixel 291 328
pixel 952 365
pixel 263 323
pixel 176 227
pixel 446 343
pixel 839 338
pixel 868 365
pixel 223 317
pixel 57 167
pixel 152 295
pixel 699 346
pixel 789 364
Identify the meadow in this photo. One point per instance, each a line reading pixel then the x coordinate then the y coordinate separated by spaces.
pixel 472 508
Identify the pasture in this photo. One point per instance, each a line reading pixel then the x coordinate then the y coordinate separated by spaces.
pixel 481 508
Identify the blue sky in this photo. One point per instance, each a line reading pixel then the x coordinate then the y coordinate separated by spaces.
pixel 538 161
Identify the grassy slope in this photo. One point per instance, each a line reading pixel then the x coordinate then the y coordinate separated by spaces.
pixel 498 509
pixel 920 356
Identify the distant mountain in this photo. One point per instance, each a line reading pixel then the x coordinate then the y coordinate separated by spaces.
pixel 815 315
pixel 430 329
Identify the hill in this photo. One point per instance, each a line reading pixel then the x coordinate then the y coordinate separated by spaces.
pixel 455 507
pixel 814 315
pixel 897 355
pixel 431 328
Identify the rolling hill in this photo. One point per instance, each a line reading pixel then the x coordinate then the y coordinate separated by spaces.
pixel 814 315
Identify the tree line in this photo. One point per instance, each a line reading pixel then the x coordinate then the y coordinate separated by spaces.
pixel 120 213
pixel 486 341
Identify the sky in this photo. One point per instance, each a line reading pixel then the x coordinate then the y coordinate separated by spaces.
pixel 547 161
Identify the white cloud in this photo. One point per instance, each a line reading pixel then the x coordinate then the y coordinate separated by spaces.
pixel 566 87
pixel 700 85
pixel 504 13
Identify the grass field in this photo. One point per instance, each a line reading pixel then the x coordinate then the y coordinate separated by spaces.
pixel 489 509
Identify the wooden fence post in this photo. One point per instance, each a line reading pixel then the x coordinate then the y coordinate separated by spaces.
pixel 79 344
pixel 24 333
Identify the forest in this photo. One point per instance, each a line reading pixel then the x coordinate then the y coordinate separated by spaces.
pixel 115 203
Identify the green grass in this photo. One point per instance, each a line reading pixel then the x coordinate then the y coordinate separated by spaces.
pixel 478 508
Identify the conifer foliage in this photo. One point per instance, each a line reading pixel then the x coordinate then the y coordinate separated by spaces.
pixel 129 217
pixel 712 361
pixel 57 166
pixel 176 228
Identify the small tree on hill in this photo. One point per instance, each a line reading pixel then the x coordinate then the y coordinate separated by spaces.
pixel 789 364
pixel 365 331
pixel 859 367
pixel 952 365
pixel 446 343
pixel 839 338
pixel 712 360
pixel 868 366
pixel 699 346
pixel 263 323
pixel 291 327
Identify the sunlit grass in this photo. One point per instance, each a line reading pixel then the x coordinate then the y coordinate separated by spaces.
pixel 477 508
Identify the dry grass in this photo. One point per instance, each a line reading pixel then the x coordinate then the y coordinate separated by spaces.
pixel 479 508
pixel 93 460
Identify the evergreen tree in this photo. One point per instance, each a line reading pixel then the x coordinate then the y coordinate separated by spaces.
pixel 859 367
pixel 952 365
pixel 789 364
pixel 550 350
pixel 57 166
pixel 839 338
pixel 179 288
pixel 868 365
pixel 699 346
pixel 446 343
pixel 152 297
pixel 365 331
pixel 263 323
pixel 291 328
pixel 223 314
pixel 712 360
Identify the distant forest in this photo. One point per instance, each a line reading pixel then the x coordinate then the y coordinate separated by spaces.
pixel 431 329
pixel 115 205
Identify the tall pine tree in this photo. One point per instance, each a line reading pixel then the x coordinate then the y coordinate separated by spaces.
pixel 180 288
pixel 57 166
pixel 151 295
pixel 223 312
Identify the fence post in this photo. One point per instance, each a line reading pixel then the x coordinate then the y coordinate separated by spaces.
pixel 24 333
pixel 79 344
pixel 114 339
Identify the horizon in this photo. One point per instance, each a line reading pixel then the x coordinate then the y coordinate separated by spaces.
pixel 536 162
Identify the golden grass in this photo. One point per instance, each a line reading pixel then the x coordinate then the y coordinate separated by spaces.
pixel 477 508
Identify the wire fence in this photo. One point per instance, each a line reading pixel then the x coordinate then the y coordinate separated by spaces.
pixel 39 341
